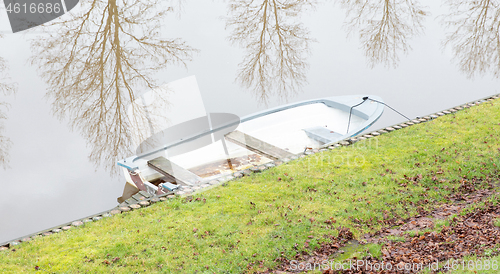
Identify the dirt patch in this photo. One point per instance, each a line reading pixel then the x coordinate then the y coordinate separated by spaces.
pixel 473 233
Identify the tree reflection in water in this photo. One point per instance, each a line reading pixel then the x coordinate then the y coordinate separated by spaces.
pixel 276 45
pixel 384 27
pixel 6 88
pixel 95 60
pixel 475 39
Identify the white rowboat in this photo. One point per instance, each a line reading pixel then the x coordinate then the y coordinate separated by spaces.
pixel 197 151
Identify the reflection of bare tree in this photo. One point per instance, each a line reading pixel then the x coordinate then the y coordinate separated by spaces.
pixel 476 38
pixel 95 60
pixel 385 26
pixel 6 88
pixel 276 45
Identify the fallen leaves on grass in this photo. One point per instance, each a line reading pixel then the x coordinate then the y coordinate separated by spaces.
pixel 473 233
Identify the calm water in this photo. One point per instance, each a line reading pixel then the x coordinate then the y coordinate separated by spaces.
pixel 304 53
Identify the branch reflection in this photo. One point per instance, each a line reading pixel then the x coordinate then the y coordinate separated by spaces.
pixel 276 45
pixel 384 27
pixel 475 39
pixel 6 88
pixel 96 60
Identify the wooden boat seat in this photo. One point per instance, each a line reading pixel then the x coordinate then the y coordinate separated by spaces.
pixel 322 134
pixel 256 145
pixel 172 171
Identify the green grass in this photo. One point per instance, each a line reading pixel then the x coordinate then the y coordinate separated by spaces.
pixel 497 222
pixel 247 224
pixel 440 224
pixel 395 238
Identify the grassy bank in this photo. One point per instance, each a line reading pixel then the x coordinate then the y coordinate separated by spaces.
pixel 247 224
